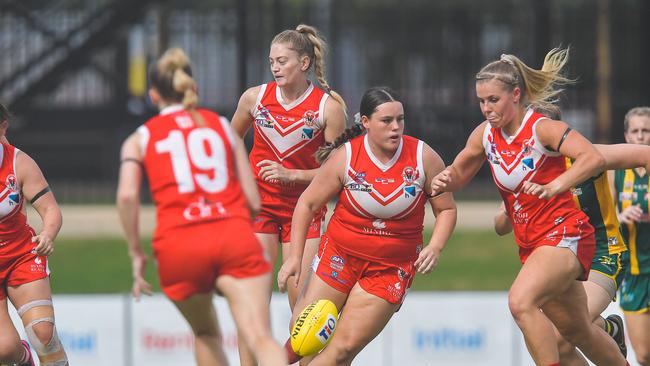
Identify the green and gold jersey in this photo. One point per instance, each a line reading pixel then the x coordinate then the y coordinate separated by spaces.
pixel 593 197
pixel 632 189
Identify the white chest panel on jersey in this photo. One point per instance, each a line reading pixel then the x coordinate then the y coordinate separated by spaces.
pixel 289 134
pixel 371 203
pixel 512 168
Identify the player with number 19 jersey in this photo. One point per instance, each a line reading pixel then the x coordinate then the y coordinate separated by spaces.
pixel 203 224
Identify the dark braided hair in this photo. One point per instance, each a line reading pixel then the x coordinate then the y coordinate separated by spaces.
pixel 371 99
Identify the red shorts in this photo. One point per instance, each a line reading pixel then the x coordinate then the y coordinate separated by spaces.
pixel 19 265
pixel 191 259
pixel 577 236
pixel 275 218
pixel 385 279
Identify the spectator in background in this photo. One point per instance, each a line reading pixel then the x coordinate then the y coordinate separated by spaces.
pixel 204 194
pixel 24 273
pixel 630 189
pixel 526 152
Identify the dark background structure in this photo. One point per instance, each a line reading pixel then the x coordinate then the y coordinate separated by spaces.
pixel 73 72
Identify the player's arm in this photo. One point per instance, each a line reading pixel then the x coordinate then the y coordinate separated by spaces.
pixel 36 190
pixel 245 176
pixel 325 185
pixel 444 209
pixel 128 206
pixel 625 156
pixel 465 166
pixel 588 162
pixel 334 122
pixel 502 224
pixel 242 120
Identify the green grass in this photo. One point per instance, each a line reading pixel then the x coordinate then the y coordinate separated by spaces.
pixel 472 260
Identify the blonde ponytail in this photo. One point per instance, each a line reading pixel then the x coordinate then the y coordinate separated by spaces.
pixel 540 88
pixel 171 76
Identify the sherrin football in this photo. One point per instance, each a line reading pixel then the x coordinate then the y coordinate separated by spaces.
pixel 314 327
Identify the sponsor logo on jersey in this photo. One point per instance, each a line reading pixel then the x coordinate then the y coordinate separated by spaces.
pixel 607 261
pixel 507 153
pixel 627 196
pixel 493 158
pixel 379 224
pixel 359 183
pixel 204 209
pixel 558 220
pixel 384 180
pixel 263 119
pixel 11 183
pixel 14 199
pixel 335 276
pixel 307 133
pixel 409 191
pixel 378 228
pixel 184 122
pixel 410 175
pixel 528 163
pixel 309 117
pixel 401 274
pixel 612 240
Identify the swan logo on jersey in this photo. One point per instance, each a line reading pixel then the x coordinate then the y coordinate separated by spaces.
pixel 410 175
pixel 528 163
pixel 184 122
pixel 10 182
pixel 527 147
pixel 204 209
pixel 309 118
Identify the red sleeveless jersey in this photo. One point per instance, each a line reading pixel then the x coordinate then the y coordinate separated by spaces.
pixel 13 221
pixel 287 133
pixel 191 169
pixel 520 158
pixel 380 210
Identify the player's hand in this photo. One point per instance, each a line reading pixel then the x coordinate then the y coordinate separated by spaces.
pixel 272 170
pixel 440 181
pixel 140 285
pixel 290 268
pixel 44 244
pixel 427 260
pixel 540 191
pixel 630 215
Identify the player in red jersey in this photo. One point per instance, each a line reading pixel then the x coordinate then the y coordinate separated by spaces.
pixel 291 120
pixel 204 194
pixel 24 273
pixel 373 246
pixel 526 152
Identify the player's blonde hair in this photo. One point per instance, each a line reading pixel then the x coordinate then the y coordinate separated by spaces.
pixel 634 112
pixel 540 88
pixel 306 41
pixel 171 76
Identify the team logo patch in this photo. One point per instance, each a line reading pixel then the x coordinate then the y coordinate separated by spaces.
pixel 612 240
pixel 309 117
pixel 410 175
pixel 337 263
pixel 307 133
pixel 527 147
pixel 360 177
pixel 264 119
pixel 359 183
pixel 528 163
pixel 11 183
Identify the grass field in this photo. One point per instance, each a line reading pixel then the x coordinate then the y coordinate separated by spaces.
pixel 472 260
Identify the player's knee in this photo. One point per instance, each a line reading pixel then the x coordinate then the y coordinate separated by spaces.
pixel 519 306
pixel 346 350
pixel 564 347
pixel 38 319
pixel 574 335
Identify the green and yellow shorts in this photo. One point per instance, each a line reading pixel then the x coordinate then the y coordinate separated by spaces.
pixel 635 293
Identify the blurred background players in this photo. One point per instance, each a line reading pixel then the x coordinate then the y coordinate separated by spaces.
pixel 205 195
pixel 373 246
pixel 24 273
pixel 526 152
pixel 630 188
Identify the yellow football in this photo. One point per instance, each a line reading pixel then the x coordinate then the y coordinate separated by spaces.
pixel 314 327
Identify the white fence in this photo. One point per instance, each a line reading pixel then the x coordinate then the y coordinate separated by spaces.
pixel 444 328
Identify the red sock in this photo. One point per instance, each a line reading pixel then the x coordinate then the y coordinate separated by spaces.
pixel 291 355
